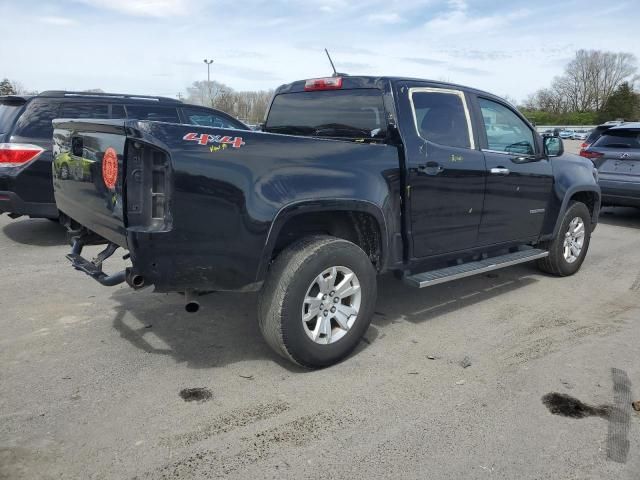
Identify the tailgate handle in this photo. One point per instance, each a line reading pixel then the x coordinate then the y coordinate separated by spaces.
pixel 77 146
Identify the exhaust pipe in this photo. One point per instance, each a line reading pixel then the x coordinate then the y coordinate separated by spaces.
pixel 135 280
pixel 191 305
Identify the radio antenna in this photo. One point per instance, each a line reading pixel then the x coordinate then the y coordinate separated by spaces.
pixel 335 73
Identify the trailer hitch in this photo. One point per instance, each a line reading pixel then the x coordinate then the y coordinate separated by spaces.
pixel 93 268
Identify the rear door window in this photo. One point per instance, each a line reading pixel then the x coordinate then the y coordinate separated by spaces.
pixel 153 112
pixel 84 110
pixel 117 111
pixel 441 116
pixel 207 118
pixel 35 122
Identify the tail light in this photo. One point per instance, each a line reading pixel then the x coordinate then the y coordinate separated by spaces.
pixel 584 145
pixel 15 154
pixel 330 83
pixel 591 155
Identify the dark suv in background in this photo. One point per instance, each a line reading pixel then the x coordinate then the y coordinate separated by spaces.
pixel 26 137
pixel 616 155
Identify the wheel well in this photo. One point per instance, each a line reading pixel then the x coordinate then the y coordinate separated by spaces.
pixel 588 198
pixel 359 228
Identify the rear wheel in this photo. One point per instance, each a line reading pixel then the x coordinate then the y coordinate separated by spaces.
pixel 568 249
pixel 317 301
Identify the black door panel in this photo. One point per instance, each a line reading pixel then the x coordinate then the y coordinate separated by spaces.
pixel 519 178
pixel 447 191
pixel 446 173
pixel 515 202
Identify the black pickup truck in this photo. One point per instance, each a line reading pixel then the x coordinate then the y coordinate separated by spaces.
pixel 350 177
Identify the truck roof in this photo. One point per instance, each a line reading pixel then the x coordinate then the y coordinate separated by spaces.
pixel 366 81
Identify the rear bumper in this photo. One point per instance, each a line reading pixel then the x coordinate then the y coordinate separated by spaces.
pixel 13 204
pixel 620 193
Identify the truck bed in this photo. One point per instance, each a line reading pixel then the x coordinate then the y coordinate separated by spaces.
pixel 195 205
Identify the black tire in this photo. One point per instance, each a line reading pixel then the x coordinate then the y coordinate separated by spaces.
pixel 281 299
pixel 555 263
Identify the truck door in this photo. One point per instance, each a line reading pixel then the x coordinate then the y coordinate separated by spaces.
pixel 519 176
pixel 445 170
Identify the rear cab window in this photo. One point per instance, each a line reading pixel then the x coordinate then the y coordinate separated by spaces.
pixel 351 114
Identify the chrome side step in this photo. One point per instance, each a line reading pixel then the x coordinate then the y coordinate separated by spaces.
pixel 434 277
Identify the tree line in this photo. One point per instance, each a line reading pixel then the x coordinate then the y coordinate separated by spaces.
pixel 248 106
pixel 596 86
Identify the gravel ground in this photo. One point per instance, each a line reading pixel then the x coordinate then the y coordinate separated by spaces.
pixel 448 383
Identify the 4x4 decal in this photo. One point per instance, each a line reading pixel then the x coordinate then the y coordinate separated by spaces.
pixel 221 141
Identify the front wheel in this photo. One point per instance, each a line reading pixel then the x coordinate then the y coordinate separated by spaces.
pixel 318 301
pixel 568 249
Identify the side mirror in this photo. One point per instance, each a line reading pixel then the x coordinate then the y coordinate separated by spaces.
pixel 553 146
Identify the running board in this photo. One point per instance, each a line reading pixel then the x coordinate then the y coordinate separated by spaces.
pixel 434 277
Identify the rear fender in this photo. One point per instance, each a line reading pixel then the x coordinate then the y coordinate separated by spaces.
pixel 303 207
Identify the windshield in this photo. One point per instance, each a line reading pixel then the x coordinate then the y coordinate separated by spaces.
pixel 619 139
pixel 353 114
pixel 8 114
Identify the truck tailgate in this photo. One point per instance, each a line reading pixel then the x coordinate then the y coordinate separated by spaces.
pixel 89 175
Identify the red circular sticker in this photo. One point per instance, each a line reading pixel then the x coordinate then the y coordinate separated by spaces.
pixel 110 168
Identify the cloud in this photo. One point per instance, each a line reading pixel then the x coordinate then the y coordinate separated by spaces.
pixel 341 66
pixel 385 18
pixel 469 70
pixel 143 8
pixel 425 61
pixel 457 20
pixel 256 41
pixel 61 21
pixel 331 6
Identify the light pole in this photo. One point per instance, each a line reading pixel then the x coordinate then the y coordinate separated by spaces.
pixel 209 62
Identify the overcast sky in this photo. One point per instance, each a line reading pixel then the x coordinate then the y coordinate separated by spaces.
pixel 158 46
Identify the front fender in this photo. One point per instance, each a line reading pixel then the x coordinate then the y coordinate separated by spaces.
pixel 573 175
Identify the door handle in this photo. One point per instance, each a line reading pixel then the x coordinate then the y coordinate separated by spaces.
pixel 500 171
pixel 431 168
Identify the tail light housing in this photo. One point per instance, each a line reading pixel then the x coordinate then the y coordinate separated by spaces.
pixel 591 155
pixel 16 154
pixel 329 83
pixel 584 145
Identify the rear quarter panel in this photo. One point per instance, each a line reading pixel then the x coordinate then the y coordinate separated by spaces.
pixel 226 198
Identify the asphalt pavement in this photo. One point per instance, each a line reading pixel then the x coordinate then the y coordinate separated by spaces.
pixel 510 375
